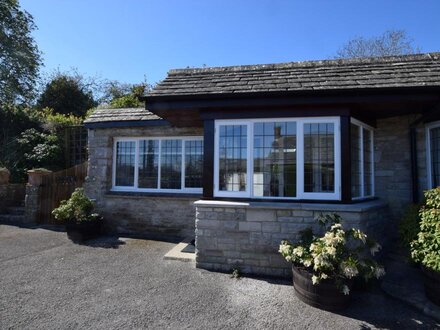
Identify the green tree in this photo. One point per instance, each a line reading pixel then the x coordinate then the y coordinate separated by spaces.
pixel 67 94
pixel 20 58
pixel 390 43
pixel 122 95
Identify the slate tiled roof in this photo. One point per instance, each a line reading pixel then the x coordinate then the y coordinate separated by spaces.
pixel 127 114
pixel 385 72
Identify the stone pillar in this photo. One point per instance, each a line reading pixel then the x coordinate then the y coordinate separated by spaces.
pixel 33 189
pixel 4 184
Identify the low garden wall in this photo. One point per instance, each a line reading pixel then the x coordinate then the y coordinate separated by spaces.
pixel 247 235
pixel 11 194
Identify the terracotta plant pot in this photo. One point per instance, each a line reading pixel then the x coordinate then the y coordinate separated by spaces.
pixel 431 281
pixel 4 176
pixel 324 295
pixel 81 231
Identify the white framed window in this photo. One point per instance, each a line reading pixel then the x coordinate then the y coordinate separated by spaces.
pixel 152 164
pixel 432 134
pixel 278 158
pixel 362 160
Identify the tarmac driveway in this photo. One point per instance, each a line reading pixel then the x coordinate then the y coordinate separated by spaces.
pixel 48 282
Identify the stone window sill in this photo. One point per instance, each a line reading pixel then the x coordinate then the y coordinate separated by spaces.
pixel 130 194
pixel 324 207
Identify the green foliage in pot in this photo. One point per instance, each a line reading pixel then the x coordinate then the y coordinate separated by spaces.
pixel 338 255
pixel 426 248
pixel 78 208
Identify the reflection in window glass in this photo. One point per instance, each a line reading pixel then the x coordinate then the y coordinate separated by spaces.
pixel 274 159
pixel 319 157
pixel 356 173
pixel 125 154
pixel 435 156
pixel 193 164
pixel 148 163
pixel 232 157
pixel 171 164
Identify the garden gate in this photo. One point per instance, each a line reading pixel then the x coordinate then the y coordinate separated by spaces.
pixel 59 186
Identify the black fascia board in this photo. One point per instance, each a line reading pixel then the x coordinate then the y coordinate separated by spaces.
pixel 163 102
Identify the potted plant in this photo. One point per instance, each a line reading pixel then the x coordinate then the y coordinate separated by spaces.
pixel 76 214
pixel 325 266
pixel 426 248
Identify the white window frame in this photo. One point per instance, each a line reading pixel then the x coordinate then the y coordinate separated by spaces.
pixel 300 194
pixel 135 187
pixel 428 128
pixel 363 127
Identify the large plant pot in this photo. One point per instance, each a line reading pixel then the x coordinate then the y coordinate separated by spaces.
pixel 431 280
pixel 324 295
pixel 81 231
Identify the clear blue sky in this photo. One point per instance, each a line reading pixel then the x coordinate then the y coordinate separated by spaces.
pixel 127 39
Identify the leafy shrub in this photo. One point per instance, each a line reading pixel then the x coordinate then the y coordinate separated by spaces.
pixel 409 225
pixel 426 248
pixel 337 255
pixel 54 122
pixel 78 208
pixel 39 149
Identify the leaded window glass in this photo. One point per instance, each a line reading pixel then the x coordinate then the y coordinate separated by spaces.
pixel 319 157
pixel 233 157
pixel 193 163
pixel 274 159
pixel 148 163
pixel 434 143
pixel 173 164
pixel 362 166
pixel 125 158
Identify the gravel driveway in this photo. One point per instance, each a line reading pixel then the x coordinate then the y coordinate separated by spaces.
pixel 47 282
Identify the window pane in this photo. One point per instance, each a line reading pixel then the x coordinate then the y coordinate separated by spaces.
pixel 125 153
pixel 435 156
pixel 368 165
pixel 193 164
pixel 148 163
pixel 275 159
pixel 319 157
pixel 171 164
pixel 356 161
pixel 232 157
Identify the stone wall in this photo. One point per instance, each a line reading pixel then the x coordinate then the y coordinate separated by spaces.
pixel 136 213
pixel 247 235
pixel 11 194
pixel 392 155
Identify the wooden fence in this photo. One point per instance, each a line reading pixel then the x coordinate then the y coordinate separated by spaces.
pixel 59 186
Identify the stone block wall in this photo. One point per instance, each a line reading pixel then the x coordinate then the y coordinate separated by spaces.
pixel 11 194
pixel 392 155
pixel 136 213
pixel 247 235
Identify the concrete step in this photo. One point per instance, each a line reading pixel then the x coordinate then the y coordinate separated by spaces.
pixel 13 219
pixel 16 210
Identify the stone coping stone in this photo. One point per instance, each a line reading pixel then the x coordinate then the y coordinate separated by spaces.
pixel 326 207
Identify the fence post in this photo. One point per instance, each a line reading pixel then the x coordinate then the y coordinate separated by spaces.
pixel 33 190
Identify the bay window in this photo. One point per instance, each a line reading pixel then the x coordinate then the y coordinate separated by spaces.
pixel 362 161
pixel 293 158
pixel 433 154
pixel 158 164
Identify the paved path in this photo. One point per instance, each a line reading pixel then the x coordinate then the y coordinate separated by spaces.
pixel 47 282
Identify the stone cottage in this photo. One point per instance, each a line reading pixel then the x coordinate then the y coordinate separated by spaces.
pixel 245 156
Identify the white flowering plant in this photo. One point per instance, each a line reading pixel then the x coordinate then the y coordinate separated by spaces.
pixel 339 255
